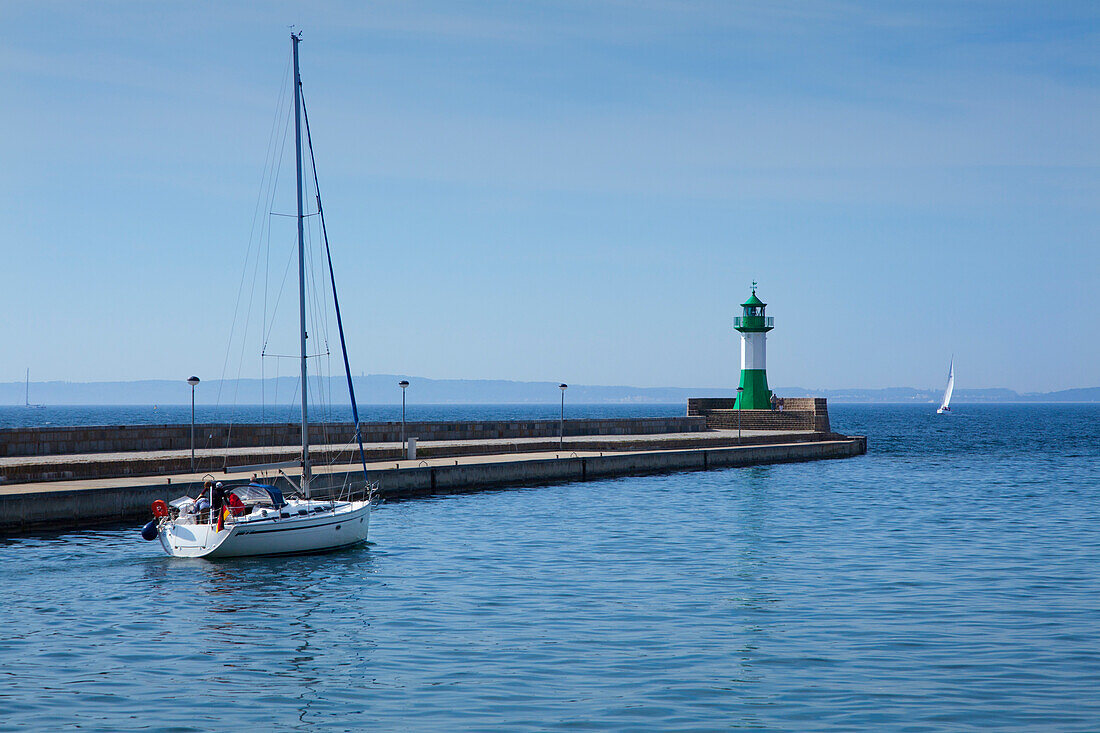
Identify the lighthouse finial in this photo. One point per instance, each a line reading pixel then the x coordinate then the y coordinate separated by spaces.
pixel 754 287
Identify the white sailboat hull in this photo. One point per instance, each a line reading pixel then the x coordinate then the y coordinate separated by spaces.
pixel 282 533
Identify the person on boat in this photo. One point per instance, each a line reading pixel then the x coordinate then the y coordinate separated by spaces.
pixel 219 495
pixel 202 501
pixel 236 506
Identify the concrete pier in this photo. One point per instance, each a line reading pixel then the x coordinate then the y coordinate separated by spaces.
pixel 74 503
pixel 35 469
pixel 220 437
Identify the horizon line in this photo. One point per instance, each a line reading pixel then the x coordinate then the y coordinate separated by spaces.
pixel 23 383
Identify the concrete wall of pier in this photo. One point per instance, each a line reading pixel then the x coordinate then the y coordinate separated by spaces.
pixel 65 468
pixel 405 483
pixel 22 512
pixel 123 438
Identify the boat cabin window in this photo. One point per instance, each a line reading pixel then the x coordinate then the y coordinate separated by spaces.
pixel 254 495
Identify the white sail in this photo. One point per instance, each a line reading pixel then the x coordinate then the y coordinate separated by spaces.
pixel 946 406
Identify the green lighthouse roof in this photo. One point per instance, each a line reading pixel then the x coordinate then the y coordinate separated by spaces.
pixel 753 300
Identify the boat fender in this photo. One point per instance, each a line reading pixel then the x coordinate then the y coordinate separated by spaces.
pixel 149 531
pixel 160 509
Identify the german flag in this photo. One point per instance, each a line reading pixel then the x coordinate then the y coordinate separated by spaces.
pixel 221 518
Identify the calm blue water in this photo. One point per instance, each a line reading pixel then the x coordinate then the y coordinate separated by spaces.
pixel 949 580
pixel 63 415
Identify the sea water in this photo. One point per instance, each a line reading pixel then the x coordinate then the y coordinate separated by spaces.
pixel 948 580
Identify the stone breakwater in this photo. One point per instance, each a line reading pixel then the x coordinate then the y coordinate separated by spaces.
pixel 30 469
pixel 53 478
pixel 125 438
pixel 52 506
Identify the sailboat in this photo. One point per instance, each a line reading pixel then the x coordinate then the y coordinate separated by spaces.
pixel 945 406
pixel 27 395
pixel 256 518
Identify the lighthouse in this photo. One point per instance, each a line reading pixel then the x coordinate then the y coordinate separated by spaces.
pixel 753 326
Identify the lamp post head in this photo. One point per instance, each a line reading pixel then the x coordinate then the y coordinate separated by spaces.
pixel 563 387
pixel 403 383
pixel 193 381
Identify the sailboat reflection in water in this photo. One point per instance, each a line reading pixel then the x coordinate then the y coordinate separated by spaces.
pixel 257 519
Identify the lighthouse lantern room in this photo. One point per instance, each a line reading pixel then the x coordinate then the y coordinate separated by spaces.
pixel 753 326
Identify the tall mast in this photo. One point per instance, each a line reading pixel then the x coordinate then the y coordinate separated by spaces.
pixel 27 394
pixel 301 265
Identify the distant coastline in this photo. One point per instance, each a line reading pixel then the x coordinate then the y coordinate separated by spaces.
pixel 381 389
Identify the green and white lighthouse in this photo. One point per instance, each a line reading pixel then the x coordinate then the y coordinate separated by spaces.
pixel 753 326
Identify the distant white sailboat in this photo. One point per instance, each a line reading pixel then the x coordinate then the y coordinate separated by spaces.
pixel 946 406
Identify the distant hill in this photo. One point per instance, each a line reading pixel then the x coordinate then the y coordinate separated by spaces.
pixel 380 389
pixel 1081 394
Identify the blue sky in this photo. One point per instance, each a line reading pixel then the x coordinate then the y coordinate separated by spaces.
pixel 577 191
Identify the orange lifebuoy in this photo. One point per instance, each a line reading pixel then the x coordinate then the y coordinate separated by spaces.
pixel 160 509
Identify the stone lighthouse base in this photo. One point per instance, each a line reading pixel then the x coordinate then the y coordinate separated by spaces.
pixel 799 413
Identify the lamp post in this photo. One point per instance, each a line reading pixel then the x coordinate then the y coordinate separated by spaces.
pixel 740 391
pixel 403 384
pixel 561 426
pixel 193 381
